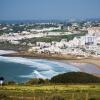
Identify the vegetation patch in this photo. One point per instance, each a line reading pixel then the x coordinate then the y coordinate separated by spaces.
pixel 75 77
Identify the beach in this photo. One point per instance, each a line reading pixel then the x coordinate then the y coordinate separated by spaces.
pixel 88 65
pixel 69 58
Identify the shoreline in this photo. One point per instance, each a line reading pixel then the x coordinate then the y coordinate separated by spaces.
pixel 61 58
pixel 68 58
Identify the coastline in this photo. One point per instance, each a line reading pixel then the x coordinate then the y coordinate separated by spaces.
pixel 69 58
pixel 61 58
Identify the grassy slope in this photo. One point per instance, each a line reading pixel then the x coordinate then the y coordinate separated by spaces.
pixel 41 91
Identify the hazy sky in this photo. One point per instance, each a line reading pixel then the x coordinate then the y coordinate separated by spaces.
pixel 48 9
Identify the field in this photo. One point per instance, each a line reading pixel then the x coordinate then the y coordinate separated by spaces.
pixel 45 92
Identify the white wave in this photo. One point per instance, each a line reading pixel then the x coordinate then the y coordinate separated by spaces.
pixel 64 65
pixel 38 65
pixel 49 73
pixel 42 68
pixel 35 74
pixel 44 74
pixel 6 52
pixel 25 61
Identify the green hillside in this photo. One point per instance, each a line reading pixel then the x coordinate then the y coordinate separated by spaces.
pixel 75 77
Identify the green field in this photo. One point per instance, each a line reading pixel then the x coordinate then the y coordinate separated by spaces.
pixel 47 92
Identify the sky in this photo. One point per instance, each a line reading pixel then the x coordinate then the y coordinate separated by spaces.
pixel 48 9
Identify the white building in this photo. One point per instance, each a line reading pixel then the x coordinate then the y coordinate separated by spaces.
pixel 90 40
pixel 94 31
pixel 43 44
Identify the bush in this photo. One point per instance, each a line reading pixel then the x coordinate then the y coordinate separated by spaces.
pixel 92 98
pixel 4 97
pixel 56 97
pixel 36 81
pixel 11 83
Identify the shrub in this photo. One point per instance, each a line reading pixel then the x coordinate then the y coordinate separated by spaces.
pixel 11 83
pixel 56 97
pixel 36 81
pixel 4 97
pixel 92 98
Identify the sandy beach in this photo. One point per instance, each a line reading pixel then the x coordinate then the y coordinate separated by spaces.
pixel 78 62
pixel 69 58
pixel 88 65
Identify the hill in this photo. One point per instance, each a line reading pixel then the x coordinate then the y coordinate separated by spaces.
pixel 75 77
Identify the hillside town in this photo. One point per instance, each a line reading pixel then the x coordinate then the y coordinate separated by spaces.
pixel 84 43
pixel 88 45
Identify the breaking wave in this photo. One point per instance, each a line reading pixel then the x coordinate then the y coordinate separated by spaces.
pixel 41 68
pixel 6 52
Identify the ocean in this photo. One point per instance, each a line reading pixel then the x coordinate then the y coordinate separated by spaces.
pixel 23 69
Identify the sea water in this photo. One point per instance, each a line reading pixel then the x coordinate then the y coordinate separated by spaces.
pixel 22 69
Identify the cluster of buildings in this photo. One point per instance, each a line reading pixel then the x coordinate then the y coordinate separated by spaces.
pixel 29 34
pixel 14 38
pixel 88 45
